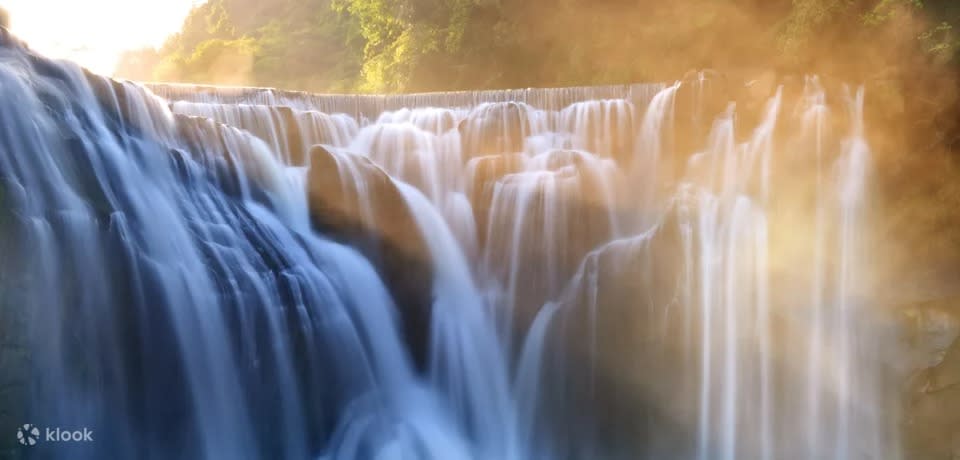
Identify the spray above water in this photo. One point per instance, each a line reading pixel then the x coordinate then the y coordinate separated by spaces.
pixel 543 274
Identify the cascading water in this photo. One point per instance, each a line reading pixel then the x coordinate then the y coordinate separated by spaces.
pixel 535 274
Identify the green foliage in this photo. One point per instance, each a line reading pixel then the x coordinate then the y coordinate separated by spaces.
pixel 417 45
pixel 301 44
pixel 399 35
pixel 942 42
pixel 228 61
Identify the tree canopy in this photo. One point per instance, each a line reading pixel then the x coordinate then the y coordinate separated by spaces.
pixel 416 45
pixel 303 44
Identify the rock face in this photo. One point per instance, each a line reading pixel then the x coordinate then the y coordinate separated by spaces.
pixel 627 289
pixel 931 418
pixel 483 174
pixel 544 213
pixel 353 201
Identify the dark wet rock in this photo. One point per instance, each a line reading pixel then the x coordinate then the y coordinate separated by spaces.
pixel 931 409
pixel 293 138
pixel 545 220
pixel 621 324
pixel 384 230
pixel 484 172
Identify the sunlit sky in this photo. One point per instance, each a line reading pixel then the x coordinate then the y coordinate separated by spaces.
pixel 93 33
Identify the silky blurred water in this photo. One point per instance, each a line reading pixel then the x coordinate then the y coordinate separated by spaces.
pixel 182 300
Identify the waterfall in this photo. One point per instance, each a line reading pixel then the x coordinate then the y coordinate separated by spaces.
pixel 569 273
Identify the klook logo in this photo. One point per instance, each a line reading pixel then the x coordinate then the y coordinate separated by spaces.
pixel 29 434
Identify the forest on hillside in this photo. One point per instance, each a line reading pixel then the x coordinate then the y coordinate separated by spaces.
pixel 431 45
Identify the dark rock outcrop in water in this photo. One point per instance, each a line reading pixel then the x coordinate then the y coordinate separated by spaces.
pixel 931 421
pixel 626 377
pixel 483 174
pixel 355 202
pixel 545 220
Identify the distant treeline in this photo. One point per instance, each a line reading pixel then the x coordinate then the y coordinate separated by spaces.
pixel 419 45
